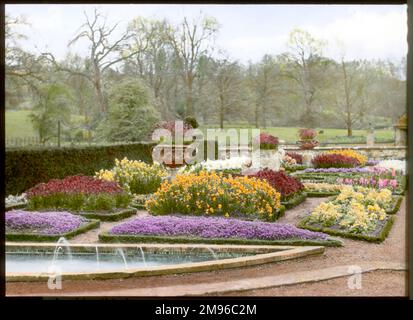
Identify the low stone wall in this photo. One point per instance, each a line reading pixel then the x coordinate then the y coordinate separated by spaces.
pixel 372 152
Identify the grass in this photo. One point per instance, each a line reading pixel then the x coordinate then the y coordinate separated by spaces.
pixel 18 125
pixel 289 134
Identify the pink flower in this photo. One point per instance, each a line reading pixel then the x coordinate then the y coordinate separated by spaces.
pixel 393 183
pixel 393 173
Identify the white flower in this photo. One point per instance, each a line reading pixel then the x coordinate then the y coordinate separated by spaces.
pixel 399 165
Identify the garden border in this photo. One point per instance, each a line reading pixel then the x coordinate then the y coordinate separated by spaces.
pixel 105 237
pixel 342 233
pixel 91 224
pixel 295 200
pixel 114 216
pixel 320 194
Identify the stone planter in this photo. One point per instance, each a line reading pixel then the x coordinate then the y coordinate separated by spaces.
pixel 172 156
pixel 270 159
pixel 307 144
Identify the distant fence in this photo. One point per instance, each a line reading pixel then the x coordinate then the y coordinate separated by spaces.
pixel 23 142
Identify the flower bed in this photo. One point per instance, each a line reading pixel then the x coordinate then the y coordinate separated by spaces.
pixel 356 213
pixel 135 176
pixel 175 229
pixel 209 193
pixel 232 165
pixel 45 226
pixel 326 160
pixel 352 154
pixel 77 193
pixel 314 189
pixel 291 189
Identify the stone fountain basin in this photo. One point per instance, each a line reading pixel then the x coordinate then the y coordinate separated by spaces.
pixel 245 255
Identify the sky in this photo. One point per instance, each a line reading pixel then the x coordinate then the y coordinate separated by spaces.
pixel 247 32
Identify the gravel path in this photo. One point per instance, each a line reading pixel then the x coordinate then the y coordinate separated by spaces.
pixel 393 249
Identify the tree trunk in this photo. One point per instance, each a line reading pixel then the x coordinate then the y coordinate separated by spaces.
pixel 189 101
pixel 257 114
pixel 221 112
pixel 98 91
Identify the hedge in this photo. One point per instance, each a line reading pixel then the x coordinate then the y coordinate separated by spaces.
pixel 294 201
pixel 24 168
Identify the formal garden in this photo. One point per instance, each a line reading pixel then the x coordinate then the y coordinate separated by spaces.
pixel 179 154
pixel 129 202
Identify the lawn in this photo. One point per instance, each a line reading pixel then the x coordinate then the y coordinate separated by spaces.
pixel 18 125
pixel 289 134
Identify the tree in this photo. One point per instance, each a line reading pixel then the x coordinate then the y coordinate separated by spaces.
pixel 191 41
pixel 227 80
pixel 53 105
pixel 103 54
pixel 305 68
pixel 131 115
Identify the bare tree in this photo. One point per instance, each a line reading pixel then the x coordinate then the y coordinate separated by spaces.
pixel 104 52
pixel 191 41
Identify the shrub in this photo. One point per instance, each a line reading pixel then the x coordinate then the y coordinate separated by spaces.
pixel 210 193
pixel 24 168
pixel 176 128
pixel 267 141
pixel 334 161
pixel 191 121
pixel 78 193
pixel 351 153
pixel 280 181
pixel 296 156
pixel 131 114
pixel 134 175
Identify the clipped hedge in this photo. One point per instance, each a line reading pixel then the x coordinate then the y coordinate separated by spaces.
pixel 295 200
pixel 24 168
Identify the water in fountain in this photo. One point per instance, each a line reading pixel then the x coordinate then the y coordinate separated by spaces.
pixel 97 258
pixel 142 254
pixel 213 253
pixel 122 254
pixel 60 244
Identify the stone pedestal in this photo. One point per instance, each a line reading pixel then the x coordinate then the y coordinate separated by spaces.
pixel 270 159
pixel 370 138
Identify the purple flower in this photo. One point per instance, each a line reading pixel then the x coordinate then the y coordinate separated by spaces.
pixel 213 227
pixel 50 223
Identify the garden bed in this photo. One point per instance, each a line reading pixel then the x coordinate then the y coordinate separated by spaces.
pixel 45 226
pixel 217 230
pixel 378 235
pixel 295 200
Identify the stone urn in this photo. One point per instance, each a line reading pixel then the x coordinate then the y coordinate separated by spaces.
pixel 172 156
pixel 267 159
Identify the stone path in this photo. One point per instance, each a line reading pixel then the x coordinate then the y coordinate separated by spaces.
pixel 384 261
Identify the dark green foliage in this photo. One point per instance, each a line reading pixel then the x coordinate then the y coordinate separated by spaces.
pixel 192 122
pixel 24 168
pixel 295 200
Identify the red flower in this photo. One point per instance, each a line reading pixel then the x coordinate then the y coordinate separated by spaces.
pixel 283 183
pixel 75 184
pixel 266 138
pixel 334 161
pixel 307 134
